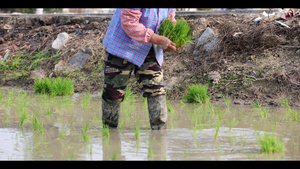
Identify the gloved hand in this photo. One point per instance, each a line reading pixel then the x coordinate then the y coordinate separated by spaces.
pixel 163 42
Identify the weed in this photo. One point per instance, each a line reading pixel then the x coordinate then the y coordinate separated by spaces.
pixel 211 108
pixel 271 144
pixel 197 93
pixel 180 33
pixel 55 87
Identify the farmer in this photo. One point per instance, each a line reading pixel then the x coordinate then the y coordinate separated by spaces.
pixel 132 45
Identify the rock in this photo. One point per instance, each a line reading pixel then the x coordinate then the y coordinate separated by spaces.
pixel 38 73
pixel 7 53
pixel 60 41
pixel 205 44
pixel 215 76
pixel 170 82
pixel 80 58
pixel 59 66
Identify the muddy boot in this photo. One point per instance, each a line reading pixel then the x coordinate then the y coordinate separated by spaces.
pixel 157 111
pixel 110 114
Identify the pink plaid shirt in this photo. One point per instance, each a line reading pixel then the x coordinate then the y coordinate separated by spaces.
pixel 130 30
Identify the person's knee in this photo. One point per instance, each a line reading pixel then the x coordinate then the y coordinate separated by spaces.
pixel 113 96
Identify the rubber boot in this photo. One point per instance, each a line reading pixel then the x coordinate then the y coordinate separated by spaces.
pixel 110 114
pixel 157 111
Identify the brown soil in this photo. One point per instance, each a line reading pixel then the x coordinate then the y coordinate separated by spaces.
pixel 260 63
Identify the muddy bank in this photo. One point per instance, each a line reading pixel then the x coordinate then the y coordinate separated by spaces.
pixel 250 61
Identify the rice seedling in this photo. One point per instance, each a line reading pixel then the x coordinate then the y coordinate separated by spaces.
pixel 105 131
pixel 23 115
pixel 227 100
pixel 220 117
pixel 179 33
pixel 233 123
pixel 271 144
pixel 197 94
pixel 84 133
pixel 63 132
pixel 263 112
pixel 137 130
pixel 129 95
pixel 294 116
pixel 36 124
pixel 217 129
pixel 195 127
pixel 285 103
pixel 211 108
pixel 257 104
pixel 86 99
pixel 55 87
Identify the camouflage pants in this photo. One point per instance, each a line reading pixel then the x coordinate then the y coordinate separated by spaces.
pixel 117 74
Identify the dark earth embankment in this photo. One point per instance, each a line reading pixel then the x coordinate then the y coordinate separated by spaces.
pixel 249 60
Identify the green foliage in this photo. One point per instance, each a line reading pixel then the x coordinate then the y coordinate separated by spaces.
pixel 271 144
pixel 180 34
pixel 197 94
pixel 55 87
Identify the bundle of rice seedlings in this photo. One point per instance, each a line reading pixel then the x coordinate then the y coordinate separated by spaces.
pixel 180 33
pixel 55 87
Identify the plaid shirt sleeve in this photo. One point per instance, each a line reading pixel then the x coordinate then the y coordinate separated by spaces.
pixel 133 28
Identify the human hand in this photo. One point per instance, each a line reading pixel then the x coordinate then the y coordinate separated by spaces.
pixel 163 42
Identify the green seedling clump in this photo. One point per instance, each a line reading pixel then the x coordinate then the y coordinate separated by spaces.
pixel 197 94
pixel 55 87
pixel 271 144
pixel 180 33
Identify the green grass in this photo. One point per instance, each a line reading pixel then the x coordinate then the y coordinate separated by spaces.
pixel 271 144
pixel 196 94
pixel 54 86
pixel 180 34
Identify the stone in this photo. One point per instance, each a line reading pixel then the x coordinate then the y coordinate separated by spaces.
pixel 205 44
pixel 59 66
pixel 39 74
pixel 80 58
pixel 60 41
pixel 170 82
pixel 215 76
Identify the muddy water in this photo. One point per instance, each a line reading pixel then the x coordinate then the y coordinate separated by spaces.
pixel 190 133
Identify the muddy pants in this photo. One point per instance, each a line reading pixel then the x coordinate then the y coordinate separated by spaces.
pixel 150 78
pixel 117 73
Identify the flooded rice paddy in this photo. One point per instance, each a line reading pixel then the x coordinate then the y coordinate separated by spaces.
pixel 41 127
